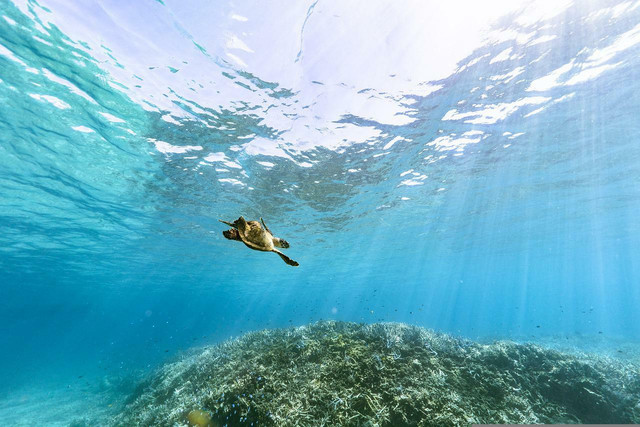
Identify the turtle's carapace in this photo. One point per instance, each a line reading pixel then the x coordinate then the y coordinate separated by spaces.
pixel 252 234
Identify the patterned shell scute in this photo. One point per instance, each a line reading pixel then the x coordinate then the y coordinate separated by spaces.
pixel 257 235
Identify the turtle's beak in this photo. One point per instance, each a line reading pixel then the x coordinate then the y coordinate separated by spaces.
pixel 231 234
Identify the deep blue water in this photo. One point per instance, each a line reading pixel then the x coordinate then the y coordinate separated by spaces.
pixel 478 178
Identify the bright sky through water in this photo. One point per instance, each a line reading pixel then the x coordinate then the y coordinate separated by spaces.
pixel 333 59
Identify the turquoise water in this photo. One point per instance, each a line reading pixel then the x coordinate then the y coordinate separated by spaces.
pixel 480 180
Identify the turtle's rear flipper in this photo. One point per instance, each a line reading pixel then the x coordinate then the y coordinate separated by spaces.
pixel 265 226
pixel 228 223
pixel 287 259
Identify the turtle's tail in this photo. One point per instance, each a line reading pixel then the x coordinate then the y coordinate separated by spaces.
pixel 286 258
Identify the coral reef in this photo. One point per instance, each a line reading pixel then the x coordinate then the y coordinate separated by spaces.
pixel 337 373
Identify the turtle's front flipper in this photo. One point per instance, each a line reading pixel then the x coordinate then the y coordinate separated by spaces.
pixel 228 223
pixel 241 224
pixel 286 258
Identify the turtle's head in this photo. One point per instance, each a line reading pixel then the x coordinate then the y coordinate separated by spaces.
pixel 231 234
pixel 280 243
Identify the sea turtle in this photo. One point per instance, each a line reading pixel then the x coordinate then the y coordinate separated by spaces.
pixel 254 236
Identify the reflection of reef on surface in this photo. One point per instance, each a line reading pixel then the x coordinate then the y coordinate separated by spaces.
pixel 334 373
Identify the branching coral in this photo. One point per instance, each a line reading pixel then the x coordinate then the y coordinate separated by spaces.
pixel 336 373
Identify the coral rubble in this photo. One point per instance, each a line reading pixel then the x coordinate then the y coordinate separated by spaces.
pixel 337 373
